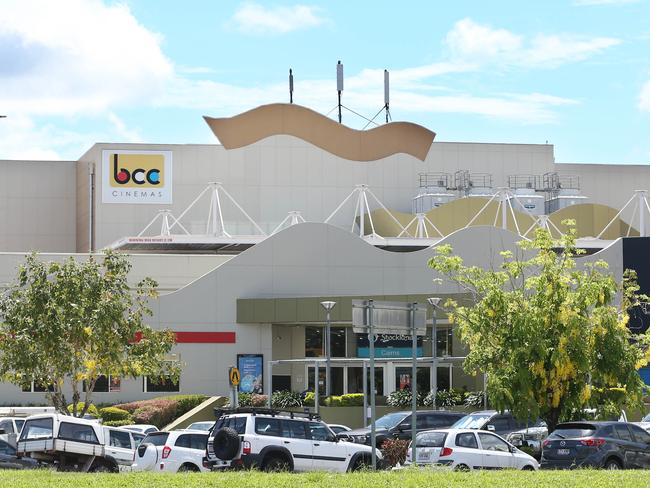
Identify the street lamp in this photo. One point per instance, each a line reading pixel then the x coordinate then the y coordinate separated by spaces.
pixel 328 306
pixel 434 301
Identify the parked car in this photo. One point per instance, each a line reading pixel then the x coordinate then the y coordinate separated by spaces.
pixel 274 440
pixel 468 449
pixel 609 445
pixel 530 437
pixel 9 459
pixel 142 428
pixel 338 428
pixel 644 423
pixel 74 444
pixel 205 426
pixel 137 438
pixel 11 425
pixel 501 423
pixel 175 451
pixel 397 425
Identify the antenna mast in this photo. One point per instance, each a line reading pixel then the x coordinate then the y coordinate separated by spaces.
pixel 290 85
pixel 386 94
pixel 339 84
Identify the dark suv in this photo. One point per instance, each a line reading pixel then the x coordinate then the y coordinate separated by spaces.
pixel 609 445
pixel 397 425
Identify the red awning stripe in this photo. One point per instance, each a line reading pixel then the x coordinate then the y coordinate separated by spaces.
pixel 199 337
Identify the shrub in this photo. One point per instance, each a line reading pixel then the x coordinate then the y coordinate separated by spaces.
pixel 286 399
pixel 475 399
pixel 402 398
pixel 185 402
pixel 333 401
pixel 394 451
pixel 111 414
pixel 160 413
pixel 252 400
pixel 118 423
pixel 310 399
pixel 92 409
pixel 352 400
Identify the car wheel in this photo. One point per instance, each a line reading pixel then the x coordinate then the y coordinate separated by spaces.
pixel 461 467
pixel 528 467
pixel 185 468
pixel 361 463
pixel 226 444
pixel 275 464
pixel 612 464
pixel 104 468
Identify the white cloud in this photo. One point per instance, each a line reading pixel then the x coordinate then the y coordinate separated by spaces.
pixel 120 128
pixel 583 3
pixel 257 19
pixel 644 98
pixel 76 57
pixel 472 42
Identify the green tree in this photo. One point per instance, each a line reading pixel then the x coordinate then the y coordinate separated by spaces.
pixel 71 322
pixel 551 335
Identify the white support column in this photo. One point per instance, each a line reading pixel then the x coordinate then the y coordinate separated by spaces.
pixel 642 202
pixel 504 204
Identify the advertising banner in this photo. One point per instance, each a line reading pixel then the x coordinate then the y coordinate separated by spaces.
pixel 388 346
pixel 142 177
pixel 251 369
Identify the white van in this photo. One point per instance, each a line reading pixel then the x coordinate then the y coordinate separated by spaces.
pixel 74 444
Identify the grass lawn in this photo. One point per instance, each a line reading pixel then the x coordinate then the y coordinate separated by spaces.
pixel 395 479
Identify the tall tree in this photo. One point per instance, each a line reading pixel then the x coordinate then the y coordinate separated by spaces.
pixel 71 322
pixel 551 335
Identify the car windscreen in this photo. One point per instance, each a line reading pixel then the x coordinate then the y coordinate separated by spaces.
pixel 389 421
pixel 37 429
pixel 572 432
pixel 646 418
pixel 473 421
pixel 430 439
pixel 156 438
pixel 19 424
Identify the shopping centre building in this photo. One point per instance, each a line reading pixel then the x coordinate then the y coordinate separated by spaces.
pixel 247 237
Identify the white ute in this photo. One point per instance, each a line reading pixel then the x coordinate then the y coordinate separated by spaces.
pixel 74 444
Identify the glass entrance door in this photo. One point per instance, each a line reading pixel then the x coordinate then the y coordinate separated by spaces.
pixel 403 378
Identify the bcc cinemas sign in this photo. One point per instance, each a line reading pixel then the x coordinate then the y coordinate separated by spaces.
pixel 136 176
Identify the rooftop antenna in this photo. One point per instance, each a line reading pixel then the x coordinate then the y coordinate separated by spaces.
pixel 339 84
pixel 386 94
pixel 290 85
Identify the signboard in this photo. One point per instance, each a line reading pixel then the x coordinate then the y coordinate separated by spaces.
pixel 388 317
pixel 388 347
pixel 142 177
pixel 233 376
pixel 251 367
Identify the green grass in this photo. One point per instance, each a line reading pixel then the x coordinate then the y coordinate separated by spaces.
pixel 395 479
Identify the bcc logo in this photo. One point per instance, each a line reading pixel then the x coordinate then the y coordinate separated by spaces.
pixel 137 170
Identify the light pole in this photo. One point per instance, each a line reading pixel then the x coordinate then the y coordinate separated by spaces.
pixel 434 301
pixel 328 306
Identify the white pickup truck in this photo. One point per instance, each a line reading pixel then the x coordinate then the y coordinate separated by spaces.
pixel 74 444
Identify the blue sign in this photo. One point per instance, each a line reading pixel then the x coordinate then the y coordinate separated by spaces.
pixel 388 347
pixel 251 369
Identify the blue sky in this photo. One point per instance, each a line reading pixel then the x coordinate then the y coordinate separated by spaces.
pixel 575 73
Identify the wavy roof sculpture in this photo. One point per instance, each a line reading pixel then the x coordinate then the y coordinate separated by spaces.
pixel 357 145
pixel 591 219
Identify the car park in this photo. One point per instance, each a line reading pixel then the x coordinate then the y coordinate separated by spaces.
pixel 274 440
pixel 205 426
pixel 74 444
pixel 609 445
pixel 397 425
pixel 468 449
pixel 172 452
pixel 141 428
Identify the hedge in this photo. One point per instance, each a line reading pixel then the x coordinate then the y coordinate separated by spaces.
pixel 110 414
pixel 118 423
pixel 92 409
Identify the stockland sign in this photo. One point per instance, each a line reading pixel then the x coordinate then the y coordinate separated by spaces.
pixel 136 176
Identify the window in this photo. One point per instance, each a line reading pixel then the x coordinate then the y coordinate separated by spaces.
pixel 7 426
pixel 500 423
pixel 336 375
pixel 492 443
pixel 198 441
pixel 467 440
pixel 430 439
pixel 319 432
pixel 77 432
pixel 120 439
pixel 640 435
pixel 157 384
pixel 268 426
pixel 623 432
pixel 19 424
pixel 37 429
pixel 608 431
pixel 236 423
pixel 294 429
pixel 315 342
pixel 157 438
pixel 337 342
pixel 36 387
pixel 444 342
pixel 403 378
pixel 7 449
pixel 106 384
pixel 137 438
pixel 183 441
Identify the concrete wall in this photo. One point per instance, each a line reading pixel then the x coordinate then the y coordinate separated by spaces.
pixel 37 206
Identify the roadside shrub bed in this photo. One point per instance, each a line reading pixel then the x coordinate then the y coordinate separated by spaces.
pixel 160 411
pixel 114 414
pixel 118 423
pixel 92 409
pixel 394 451
pixel 252 400
pixel 186 402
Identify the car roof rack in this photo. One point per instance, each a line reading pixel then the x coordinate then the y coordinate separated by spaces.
pixel 307 414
